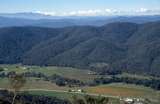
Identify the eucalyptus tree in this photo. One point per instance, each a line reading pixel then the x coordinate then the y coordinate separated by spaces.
pixel 17 81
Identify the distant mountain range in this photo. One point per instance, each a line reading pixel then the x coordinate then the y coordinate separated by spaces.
pixel 120 46
pixel 40 20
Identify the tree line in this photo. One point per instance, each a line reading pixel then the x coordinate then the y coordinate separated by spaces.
pixel 153 83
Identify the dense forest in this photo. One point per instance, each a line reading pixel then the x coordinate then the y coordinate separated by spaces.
pixel 121 46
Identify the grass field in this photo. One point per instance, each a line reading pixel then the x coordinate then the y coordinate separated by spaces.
pixel 67 72
pixel 125 90
pixel 62 95
pixel 35 86
pixel 66 95
pixel 33 83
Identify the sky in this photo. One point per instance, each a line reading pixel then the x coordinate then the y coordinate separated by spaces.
pixel 81 7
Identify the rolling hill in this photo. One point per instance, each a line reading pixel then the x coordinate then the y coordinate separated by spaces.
pixel 121 46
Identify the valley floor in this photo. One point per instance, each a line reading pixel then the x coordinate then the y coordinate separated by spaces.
pixel 114 91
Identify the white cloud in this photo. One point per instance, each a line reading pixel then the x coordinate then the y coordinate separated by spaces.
pixel 141 10
pixel 46 13
pixel 100 12
pixel 108 10
pixel 85 13
pixel 91 12
pixel 145 11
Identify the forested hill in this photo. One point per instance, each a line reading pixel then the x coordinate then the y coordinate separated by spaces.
pixel 119 46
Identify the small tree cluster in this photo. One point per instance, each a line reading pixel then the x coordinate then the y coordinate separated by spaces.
pixel 90 100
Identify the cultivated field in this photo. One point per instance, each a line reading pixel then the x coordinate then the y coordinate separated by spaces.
pixel 124 90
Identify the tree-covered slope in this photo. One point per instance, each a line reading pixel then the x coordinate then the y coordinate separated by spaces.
pixel 144 49
pixel 15 41
pixel 121 46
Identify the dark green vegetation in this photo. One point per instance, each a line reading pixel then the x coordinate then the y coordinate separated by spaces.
pixel 153 83
pixel 117 46
pixel 6 98
pixel 90 100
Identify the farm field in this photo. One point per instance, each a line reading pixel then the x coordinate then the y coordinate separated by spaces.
pixel 33 83
pixel 68 72
pixel 117 89
pixel 37 86
pixel 126 90
pixel 123 90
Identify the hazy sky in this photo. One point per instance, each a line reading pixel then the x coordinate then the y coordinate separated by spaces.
pixel 80 7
